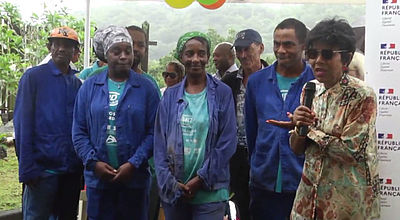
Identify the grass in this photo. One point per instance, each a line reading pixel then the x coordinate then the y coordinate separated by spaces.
pixel 10 188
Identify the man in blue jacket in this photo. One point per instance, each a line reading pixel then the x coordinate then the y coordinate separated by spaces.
pixel 249 47
pixel 271 93
pixel 48 165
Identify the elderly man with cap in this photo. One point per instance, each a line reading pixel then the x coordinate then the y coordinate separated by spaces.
pixel 48 165
pixel 112 133
pixel 249 47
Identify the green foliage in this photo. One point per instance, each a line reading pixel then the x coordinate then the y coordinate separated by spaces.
pixel 39 27
pixel 23 44
pixel 11 47
pixel 167 24
pixel 157 67
pixel 269 58
pixel 10 188
pixel 2 137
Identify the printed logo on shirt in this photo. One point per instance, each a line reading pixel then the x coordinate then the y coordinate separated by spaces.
pixel 284 93
pixel 111 115
pixel 187 125
pixel 188 151
pixel 111 139
pixel 113 98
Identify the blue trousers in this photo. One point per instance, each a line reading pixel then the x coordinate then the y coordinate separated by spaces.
pixel 270 205
pixel 52 197
pixel 187 211
pixel 117 203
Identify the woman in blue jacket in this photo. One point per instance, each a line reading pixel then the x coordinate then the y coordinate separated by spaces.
pixel 113 133
pixel 194 138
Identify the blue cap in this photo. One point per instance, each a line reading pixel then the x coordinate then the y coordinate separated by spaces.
pixel 246 37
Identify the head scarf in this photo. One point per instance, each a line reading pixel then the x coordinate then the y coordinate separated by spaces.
pixel 98 44
pixel 185 38
pixel 112 35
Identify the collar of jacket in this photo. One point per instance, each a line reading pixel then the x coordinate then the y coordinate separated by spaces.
pixel 55 71
pixel 272 77
pixel 211 84
pixel 239 74
pixel 133 78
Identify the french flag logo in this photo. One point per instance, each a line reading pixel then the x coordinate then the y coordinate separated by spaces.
pixel 382 136
pixel 388 46
pixel 387 1
pixel 386 91
pixel 385 181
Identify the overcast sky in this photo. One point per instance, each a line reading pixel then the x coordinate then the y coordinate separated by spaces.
pixel 27 7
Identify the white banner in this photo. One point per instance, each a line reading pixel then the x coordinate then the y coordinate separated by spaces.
pixel 382 55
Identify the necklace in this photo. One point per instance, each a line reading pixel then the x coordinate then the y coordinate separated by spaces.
pixel 117 84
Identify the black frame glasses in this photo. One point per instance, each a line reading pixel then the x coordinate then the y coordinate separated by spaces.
pixel 171 75
pixel 327 54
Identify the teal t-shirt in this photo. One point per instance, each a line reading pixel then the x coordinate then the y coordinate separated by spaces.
pixel 98 70
pixel 115 90
pixel 194 124
pixel 148 76
pixel 84 74
pixel 284 84
pixel 151 160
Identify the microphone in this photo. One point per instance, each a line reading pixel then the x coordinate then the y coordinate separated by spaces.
pixel 309 91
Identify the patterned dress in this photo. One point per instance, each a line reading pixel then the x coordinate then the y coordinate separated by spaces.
pixel 340 176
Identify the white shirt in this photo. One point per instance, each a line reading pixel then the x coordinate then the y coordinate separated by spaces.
pixel 48 58
pixel 232 68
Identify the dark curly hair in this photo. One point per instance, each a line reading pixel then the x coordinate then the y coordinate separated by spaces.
pixel 334 32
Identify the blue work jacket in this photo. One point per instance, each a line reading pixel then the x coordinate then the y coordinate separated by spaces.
pixel 269 143
pixel 134 123
pixel 168 141
pixel 43 121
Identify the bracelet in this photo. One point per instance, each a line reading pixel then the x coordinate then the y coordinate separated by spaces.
pixel 295 131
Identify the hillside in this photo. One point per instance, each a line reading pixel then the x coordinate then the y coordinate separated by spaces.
pixel 167 24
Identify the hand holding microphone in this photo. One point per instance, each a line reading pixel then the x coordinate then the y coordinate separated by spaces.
pixel 303 116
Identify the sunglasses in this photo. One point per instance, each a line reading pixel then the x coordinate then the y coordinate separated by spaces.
pixel 327 54
pixel 171 75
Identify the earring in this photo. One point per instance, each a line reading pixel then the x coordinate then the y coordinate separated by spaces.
pixel 345 69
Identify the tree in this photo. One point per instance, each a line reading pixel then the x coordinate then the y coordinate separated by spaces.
pixel 12 53
pixel 23 45
pixel 39 27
